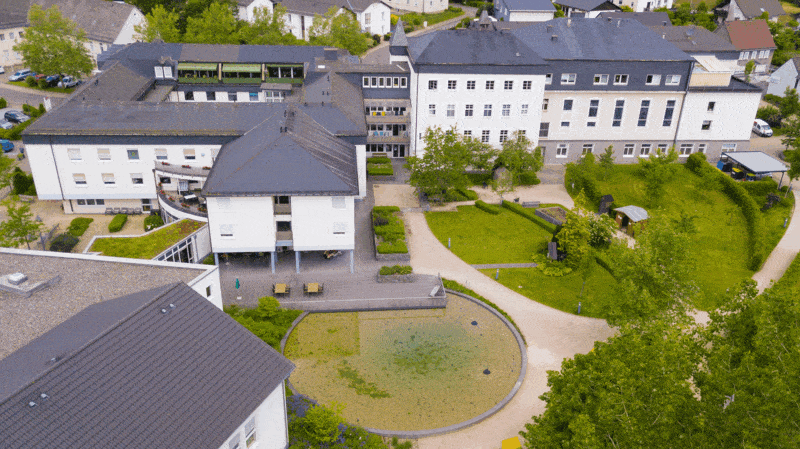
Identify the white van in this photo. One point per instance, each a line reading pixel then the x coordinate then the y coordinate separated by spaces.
pixel 761 128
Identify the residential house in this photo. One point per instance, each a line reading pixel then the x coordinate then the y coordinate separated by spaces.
pixel 648 19
pixel 586 8
pixel 752 9
pixel 644 5
pixel 105 23
pixel 753 40
pixel 163 358
pixel 787 76
pixel 524 10
pixel 420 6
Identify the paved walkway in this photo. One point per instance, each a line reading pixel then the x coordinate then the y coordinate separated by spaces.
pixel 784 253
pixel 551 335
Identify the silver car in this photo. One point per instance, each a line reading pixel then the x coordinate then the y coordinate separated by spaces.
pixel 5 124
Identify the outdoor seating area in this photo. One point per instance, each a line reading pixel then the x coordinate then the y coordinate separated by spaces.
pixel 123 210
pixel 313 288
pixel 281 289
pixel 751 165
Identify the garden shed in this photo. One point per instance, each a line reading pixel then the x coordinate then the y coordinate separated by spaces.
pixel 631 219
pixel 751 165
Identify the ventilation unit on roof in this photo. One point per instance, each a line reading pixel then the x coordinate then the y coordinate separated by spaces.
pixel 17 278
pixel 554 37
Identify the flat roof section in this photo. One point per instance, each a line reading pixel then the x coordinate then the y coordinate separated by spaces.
pixel 757 162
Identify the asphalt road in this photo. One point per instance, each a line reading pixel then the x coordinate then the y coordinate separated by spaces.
pixel 16 97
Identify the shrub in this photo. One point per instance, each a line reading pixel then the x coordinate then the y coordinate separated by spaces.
pixel 42 83
pixel 30 81
pixel 79 225
pixel 380 170
pixel 467 194
pixel 529 179
pixel 396 269
pixel 379 160
pixel 152 222
pixel 530 215
pixel 398 247
pixel 771 115
pixel 63 243
pixel 387 37
pixel 385 210
pixel 494 210
pixel 117 223
pixel 760 189
pixel 696 162
pixel 479 178
pixel 22 183
pixel 3 103
pixel 774 99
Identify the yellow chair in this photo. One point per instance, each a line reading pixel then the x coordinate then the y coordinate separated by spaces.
pixel 512 443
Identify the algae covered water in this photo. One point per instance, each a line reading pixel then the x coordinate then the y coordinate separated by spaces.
pixel 406 370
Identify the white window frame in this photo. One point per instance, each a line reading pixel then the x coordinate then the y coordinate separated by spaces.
pixel 469 110
pixel 508 85
pixel 451 110
pixel 403 82
pixel 565 123
pixel 74 154
pixel 485 135
pixel 701 148
pixel 548 78
pixel 686 149
pixel 662 147
pixel 600 79
pixel 134 177
pixel 569 79
pixel 433 84
pixel 744 55
pixel 589 146
pixel 545 104
pixel 79 179
pixel 162 154
pixel 189 154
pixel 629 150
pixel 523 109
pixel 672 80
pixel 653 80
pixel 706 125
pixel 467 133
pixel 489 85
pixel 644 109
pixel 226 231
pixel 728 147
pixel 364 81
pixel 503 135
pixel 452 84
pixel 593 114
pixel 338 202
pixel 103 154
pixel 562 150
pixel 644 149
pixel 109 179
pixel 339 228
pixel 526 85
pixel 471 85
pixel 621 79
pixel 622 115
pixel 487 110
pixel 132 152
pixel 571 105
pixel 506 112
pixel 431 110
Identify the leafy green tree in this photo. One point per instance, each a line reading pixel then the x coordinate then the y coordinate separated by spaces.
pixel 656 171
pixel 770 114
pixel 606 161
pixel 269 28
pixel 53 44
pixel 518 159
pixel 6 171
pixel 447 156
pixel 216 25
pixel 320 425
pixel 159 24
pixel 194 9
pixel 19 227
pixel 573 238
pixel 339 30
pixel 748 69
pixel 147 6
pixel 633 391
pixel 789 104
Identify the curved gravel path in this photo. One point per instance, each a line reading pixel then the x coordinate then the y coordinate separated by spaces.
pixel 551 335
pixel 784 252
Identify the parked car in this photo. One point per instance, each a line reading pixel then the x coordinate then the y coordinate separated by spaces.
pixel 2 70
pixel 762 128
pixel 69 81
pixel 20 75
pixel 5 124
pixel 7 145
pixel 39 76
pixel 16 116
pixel 52 80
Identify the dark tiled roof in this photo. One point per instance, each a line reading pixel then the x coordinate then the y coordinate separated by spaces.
pixel 14 13
pixel 186 378
pixel 693 39
pixel 754 8
pixel 102 20
pixel 305 159
pixel 399 38
pixel 361 5
pixel 598 39
pixel 309 7
pixel 471 46
pixel 530 5
pixel 118 83
pixel 650 18
pixel 747 34
pixel 589 5
pixel 250 53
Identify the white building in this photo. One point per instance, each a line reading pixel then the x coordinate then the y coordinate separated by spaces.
pixel 788 75
pixel 105 23
pixel 644 5
pixel 586 8
pixel 421 6
pixel 524 10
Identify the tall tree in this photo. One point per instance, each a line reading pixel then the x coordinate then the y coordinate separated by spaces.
pixel 339 30
pixel 789 104
pixel 6 173
pixel 657 170
pixel 269 28
pixel 19 227
pixel 517 158
pixel 54 44
pixel 216 25
pixel 447 156
pixel 606 161
pixel 159 24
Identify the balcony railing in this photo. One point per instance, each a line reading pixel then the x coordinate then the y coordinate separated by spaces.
pixel 173 205
pixel 283 209
pixel 186 170
pixel 283 236
pixel 388 134
pixel 387 113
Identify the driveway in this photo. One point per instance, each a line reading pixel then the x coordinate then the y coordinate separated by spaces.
pixel 16 95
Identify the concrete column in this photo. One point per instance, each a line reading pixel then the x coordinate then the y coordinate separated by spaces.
pixel 272 257
pixel 216 259
pixel 352 262
pixel 297 261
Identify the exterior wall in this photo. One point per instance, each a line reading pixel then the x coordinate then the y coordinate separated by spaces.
pixel 8 56
pixel 734 12
pixel 575 149
pixel 361 160
pixel 314 220
pixel 248 12
pixel 379 19
pixel 530 16
pixel 300 25
pixel 731 119
pixel 127 34
pixel 250 220
pixel 785 76
pixel 644 5
pixel 207 284
pixel 762 62
pixel 460 97
pixel 271 424
pixel 429 6
pixel 637 72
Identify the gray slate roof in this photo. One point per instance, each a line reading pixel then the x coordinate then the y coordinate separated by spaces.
pixel 186 378
pixel 598 39
pixel 758 162
pixel 752 9
pixel 693 39
pixel 306 159
pixel 635 213
pixel 102 20
pixel 588 5
pixel 471 46
pixel 649 18
pixel 399 38
pixel 14 13
pixel 530 5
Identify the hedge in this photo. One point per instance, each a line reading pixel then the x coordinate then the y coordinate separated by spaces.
pixel 529 179
pixel 530 215
pixel 380 170
pixel 379 160
pixel 3 103
pixel 494 210
pixel 479 178
pixel 397 247
pixel 117 223
pixel 63 243
pixel 390 229
pixel 467 194
pixel 383 210
pixel 78 226
pixel 152 222
pixel 396 269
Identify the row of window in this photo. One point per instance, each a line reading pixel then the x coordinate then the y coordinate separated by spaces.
pixel 384 111
pixel 620 79
pixel 393 82
pixel 233 96
pixel 619 109
pixel 469 110
pixel 453 85
pixel 109 179
pixel 104 154
pixel 487 134
pixel 11 35
pixel 755 54
pixel 629 149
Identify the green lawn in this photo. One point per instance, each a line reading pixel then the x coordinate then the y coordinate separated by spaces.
pixel 46 89
pixel 148 246
pixel 478 237
pixel 790 8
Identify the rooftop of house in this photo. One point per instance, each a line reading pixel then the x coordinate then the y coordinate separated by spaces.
pixel 472 46
pixel 530 5
pixel 747 34
pixel 693 39
pixel 649 18
pixel 589 5
pixel 138 361
pixel 14 13
pixel 289 153
pixel 755 8
pixel 70 283
pixel 598 39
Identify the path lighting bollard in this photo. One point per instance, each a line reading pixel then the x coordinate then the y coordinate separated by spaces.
pixel 497 274
pixel 579 308
pixel 448 239
pixel 785 220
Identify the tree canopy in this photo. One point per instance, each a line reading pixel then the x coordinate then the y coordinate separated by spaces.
pixel 54 44
pixel 159 24
pixel 339 30
pixel 215 25
pixel 517 158
pixel 19 226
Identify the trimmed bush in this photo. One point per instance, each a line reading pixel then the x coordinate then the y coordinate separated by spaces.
pixel 78 226
pixel 43 83
pixel 3 103
pixel 494 210
pixel 30 81
pixel 152 222
pixel 398 247
pixel 467 194
pixel 63 243
pixel 117 223
pixel 530 215
pixel 479 178
pixel 380 170
pixel 379 160
pixel 389 229
pixel 696 162
pixel 384 210
pixel 529 179
pixel 396 269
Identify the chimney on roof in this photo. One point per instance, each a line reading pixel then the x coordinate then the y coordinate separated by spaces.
pixel 569 21
pixel 665 23
pixel 554 38
pixel 663 35
pixel 549 27
pixel 619 21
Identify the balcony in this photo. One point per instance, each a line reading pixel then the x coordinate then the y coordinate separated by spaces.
pixel 186 171
pixel 387 137
pixel 174 205
pixel 283 238
pixel 283 209
pixel 389 117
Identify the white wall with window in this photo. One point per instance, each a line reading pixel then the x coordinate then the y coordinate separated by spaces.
pixel 710 116
pixel 265 428
pixel 241 224
pixel 323 223
pixel 375 19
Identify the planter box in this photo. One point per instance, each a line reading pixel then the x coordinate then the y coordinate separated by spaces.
pixel 397 257
pixel 541 213
pixel 396 278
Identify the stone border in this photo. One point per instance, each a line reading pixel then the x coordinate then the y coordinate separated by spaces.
pixel 547 218
pixel 454 427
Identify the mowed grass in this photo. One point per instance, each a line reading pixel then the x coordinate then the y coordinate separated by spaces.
pixel 478 237
pixel 790 8
pixel 148 246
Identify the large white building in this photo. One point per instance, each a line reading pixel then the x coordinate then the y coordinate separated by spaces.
pixel 524 10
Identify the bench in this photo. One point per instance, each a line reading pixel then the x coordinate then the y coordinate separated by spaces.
pixel 378 155
pixel 530 204
pixel 435 291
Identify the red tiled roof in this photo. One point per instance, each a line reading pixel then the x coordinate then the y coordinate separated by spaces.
pixel 750 34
